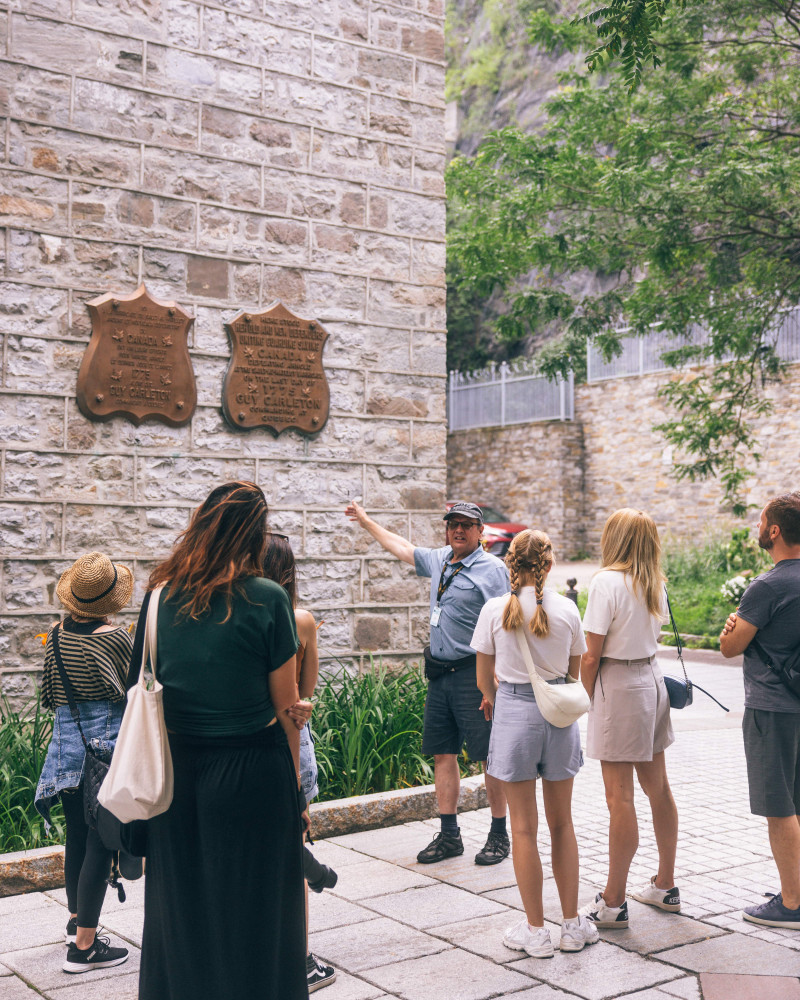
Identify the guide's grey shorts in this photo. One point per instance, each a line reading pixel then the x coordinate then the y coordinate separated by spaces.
pixel 772 752
pixel 524 746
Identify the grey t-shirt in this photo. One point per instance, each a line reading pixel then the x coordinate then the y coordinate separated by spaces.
pixel 772 604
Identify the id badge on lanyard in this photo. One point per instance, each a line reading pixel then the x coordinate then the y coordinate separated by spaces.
pixel 436 614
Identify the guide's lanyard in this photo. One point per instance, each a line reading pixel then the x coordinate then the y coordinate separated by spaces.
pixel 441 589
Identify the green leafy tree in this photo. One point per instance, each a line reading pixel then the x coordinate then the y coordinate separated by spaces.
pixel 677 198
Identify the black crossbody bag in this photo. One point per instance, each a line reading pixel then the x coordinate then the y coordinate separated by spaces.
pixel 680 689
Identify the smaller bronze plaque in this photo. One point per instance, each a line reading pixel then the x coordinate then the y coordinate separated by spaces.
pixel 137 364
pixel 275 377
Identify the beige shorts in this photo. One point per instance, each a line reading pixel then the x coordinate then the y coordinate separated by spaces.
pixel 629 714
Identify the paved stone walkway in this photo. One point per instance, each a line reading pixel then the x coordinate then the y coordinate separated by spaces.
pixel 394 928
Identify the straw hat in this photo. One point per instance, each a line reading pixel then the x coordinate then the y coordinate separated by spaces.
pixel 94 586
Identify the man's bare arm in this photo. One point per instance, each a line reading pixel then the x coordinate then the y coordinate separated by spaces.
pixel 736 636
pixel 396 544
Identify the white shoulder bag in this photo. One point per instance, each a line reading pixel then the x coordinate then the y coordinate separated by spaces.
pixel 560 704
pixel 139 781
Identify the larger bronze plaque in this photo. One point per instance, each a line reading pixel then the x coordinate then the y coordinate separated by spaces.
pixel 275 378
pixel 137 364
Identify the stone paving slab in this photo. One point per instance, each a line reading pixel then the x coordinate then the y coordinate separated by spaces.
pixel 484 935
pixel 652 931
pixel 726 986
pixel 735 953
pixel 367 945
pixel 326 911
pixel 464 873
pixel 33 926
pixel 15 989
pixel 447 974
pixel 83 987
pixel 432 906
pixel 372 877
pixel 686 989
pixel 598 972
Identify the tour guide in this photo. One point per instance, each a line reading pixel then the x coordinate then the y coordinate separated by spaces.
pixel 463 578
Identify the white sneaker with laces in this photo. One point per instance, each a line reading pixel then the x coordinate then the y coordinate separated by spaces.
pixel 664 899
pixel 537 942
pixel 578 932
pixel 602 915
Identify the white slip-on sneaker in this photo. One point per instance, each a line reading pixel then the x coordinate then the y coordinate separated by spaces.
pixel 605 916
pixel 537 942
pixel 664 899
pixel 578 932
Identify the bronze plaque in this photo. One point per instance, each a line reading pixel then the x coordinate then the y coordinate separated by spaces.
pixel 137 364
pixel 275 378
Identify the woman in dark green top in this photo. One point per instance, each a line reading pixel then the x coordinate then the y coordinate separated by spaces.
pixel 224 906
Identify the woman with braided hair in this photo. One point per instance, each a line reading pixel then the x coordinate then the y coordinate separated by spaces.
pixel 524 746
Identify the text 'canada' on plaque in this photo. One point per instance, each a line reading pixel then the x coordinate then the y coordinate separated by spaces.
pixel 137 364
pixel 275 378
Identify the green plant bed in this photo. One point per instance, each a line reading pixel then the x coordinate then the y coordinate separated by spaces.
pixel 24 737
pixel 368 733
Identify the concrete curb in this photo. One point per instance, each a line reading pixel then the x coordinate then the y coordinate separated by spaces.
pixel 43 868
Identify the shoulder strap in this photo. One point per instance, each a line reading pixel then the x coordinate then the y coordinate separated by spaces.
pixel 524 648
pixel 67 684
pixel 150 634
pixel 678 643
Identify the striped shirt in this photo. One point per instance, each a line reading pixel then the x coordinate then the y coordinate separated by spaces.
pixel 96 664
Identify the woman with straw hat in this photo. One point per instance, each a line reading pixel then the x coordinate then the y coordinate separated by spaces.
pixel 95 655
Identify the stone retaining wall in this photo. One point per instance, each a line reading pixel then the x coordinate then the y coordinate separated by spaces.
pixel 227 155
pixel 567 477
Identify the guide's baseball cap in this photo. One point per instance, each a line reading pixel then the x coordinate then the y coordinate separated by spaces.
pixel 464 509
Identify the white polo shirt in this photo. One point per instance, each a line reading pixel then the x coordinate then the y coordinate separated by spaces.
pixel 550 654
pixel 614 610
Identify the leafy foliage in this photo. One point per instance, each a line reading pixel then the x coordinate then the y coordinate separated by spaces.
pixel 24 738
pixel 674 204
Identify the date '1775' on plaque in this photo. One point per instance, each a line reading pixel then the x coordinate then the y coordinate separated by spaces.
pixel 137 364
pixel 275 378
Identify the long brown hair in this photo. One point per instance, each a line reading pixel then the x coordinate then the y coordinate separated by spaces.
pixel 223 545
pixel 280 566
pixel 530 555
pixel 630 545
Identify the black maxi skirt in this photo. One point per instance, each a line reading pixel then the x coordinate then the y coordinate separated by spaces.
pixel 224 907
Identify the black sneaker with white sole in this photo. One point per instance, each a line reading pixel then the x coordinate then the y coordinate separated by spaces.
pixel 99 955
pixel 71 931
pixel 318 974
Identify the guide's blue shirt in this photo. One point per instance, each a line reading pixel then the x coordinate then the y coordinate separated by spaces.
pixel 482 577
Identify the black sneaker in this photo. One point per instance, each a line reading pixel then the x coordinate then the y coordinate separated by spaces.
pixel 443 845
pixel 99 955
pixel 72 930
pixel 318 974
pixel 494 850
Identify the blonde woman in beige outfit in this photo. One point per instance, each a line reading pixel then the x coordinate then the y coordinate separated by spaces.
pixel 629 724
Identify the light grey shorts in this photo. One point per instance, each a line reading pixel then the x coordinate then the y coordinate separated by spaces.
pixel 523 746
pixel 629 714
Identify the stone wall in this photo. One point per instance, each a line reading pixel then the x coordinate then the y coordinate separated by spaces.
pixel 568 477
pixel 227 155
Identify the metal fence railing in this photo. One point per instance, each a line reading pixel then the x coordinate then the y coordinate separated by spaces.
pixel 501 395
pixel 643 355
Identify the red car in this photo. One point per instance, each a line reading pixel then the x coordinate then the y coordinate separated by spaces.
pixel 497 529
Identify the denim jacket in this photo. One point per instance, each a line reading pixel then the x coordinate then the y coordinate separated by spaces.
pixel 63 765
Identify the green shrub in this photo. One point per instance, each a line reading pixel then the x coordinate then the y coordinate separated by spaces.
pixel 24 737
pixel 368 733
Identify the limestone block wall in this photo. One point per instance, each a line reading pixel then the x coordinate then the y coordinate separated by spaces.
pixel 568 477
pixel 227 155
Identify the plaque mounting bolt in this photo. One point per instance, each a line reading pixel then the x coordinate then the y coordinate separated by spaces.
pixel 114 304
pixel 246 318
pixel 179 404
pixel 315 420
pixel 170 312
pixel 99 397
pixel 241 416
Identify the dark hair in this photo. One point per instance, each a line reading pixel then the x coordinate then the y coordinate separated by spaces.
pixel 279 565
pixel 223 545
pixel 785 512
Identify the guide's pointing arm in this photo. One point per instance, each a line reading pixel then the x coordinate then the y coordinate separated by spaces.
pixel 396 544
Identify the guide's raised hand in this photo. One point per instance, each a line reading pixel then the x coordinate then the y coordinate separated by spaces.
pixel 355 511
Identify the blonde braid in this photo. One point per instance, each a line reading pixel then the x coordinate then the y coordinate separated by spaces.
pixel 542 558
pixel 512 614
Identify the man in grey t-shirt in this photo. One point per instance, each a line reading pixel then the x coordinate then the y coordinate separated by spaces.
pixel 766 628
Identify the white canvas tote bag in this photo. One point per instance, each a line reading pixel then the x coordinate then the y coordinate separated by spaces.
pixel 139 781
pixel 560 704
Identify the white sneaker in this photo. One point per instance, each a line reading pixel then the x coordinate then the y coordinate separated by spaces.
pixel 537 943
pixel 605 916
pixel 664 899
pixel 577 932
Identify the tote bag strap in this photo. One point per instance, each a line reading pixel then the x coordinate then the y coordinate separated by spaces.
pixel 537 681
pixel 149 648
